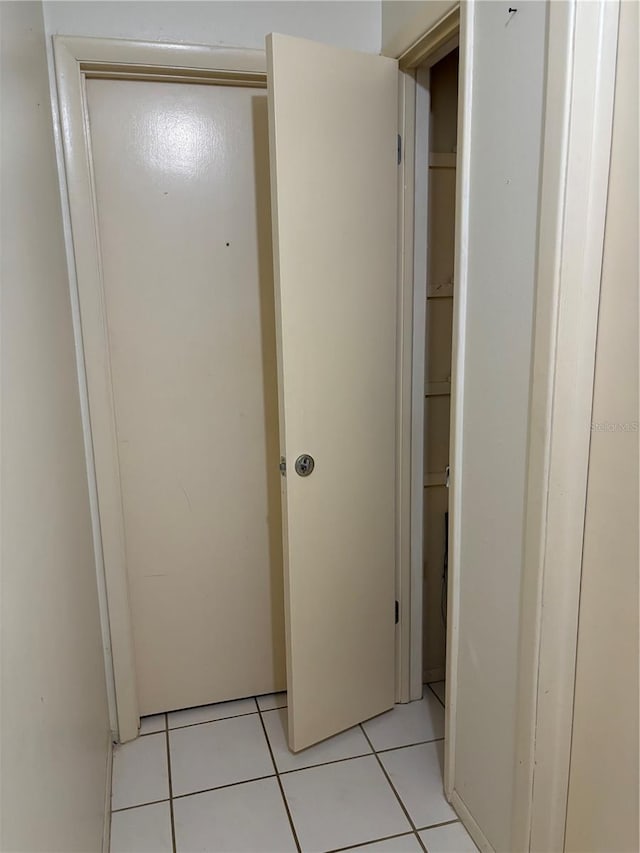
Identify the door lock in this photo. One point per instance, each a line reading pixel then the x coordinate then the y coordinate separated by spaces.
pixel 305 465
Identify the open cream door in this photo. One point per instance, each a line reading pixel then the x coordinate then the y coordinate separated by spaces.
pixel 333 125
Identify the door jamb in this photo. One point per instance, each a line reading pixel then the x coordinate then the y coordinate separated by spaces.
pixel 427 49
pixel 410 603
pixel 77 58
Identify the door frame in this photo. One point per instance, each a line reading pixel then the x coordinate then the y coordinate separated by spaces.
pixel 77 58
pixel 427 48
pixel 440 38
pixel 580 82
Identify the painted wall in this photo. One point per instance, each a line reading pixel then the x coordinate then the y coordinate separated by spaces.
pixel 54 724
pixel 508 67
pixel 350 24
pixel 603 788
pixel 404 21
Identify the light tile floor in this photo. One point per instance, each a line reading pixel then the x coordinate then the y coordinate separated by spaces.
pixel 221 779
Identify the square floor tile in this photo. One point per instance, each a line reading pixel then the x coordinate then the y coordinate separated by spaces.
pixel 240 819
pixel 208 713
pixel 452 838
pixel 337 805
pixel 220 753
pixel 271 701
pixel 407 724
pixel 154 723
pixel 416 773
pixel 438 688
pixel 399 844
pixel 146 829
pixel 140 772
pixel 347 744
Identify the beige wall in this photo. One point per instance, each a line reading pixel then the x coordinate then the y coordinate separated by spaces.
pixel 54 725
pixel 404 21
pixel 345 23
pixel 603 790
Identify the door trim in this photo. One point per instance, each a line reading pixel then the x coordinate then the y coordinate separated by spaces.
pixel 582 53
pixel 435 43
pixel 76 59
pixel 409 627
pixel 430 47
pixel 441 37
pixel 428 26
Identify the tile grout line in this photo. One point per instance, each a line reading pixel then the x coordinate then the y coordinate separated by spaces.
pixel 204 722
pixel 393 788
pixel 223 787
pixel 437 825
pixel 279 780
pixel 322 764
pixel 331 761
pixel 360 755
pixel 140 805
pixel 173 822
pixel 358 846
pixel 408 745
pixel 362 844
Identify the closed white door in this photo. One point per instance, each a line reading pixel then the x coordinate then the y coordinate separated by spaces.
pixel 182 186
pixel 333 144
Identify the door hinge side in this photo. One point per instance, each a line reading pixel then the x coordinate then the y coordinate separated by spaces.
pixel 397 612
pixel 399 149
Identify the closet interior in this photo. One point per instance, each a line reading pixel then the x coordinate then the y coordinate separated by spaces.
pixel 442 83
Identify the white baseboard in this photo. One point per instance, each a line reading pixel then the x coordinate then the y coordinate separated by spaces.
pixel 435 674
pixel 470 825
pixel 106 830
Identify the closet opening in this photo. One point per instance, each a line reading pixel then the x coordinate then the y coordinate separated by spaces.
pixel 434 251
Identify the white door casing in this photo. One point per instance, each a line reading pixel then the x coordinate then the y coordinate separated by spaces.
pixel 77 59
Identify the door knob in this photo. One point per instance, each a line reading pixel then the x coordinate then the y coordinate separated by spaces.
pixel 305 465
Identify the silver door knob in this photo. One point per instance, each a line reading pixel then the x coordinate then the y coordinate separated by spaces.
pixel 305 465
